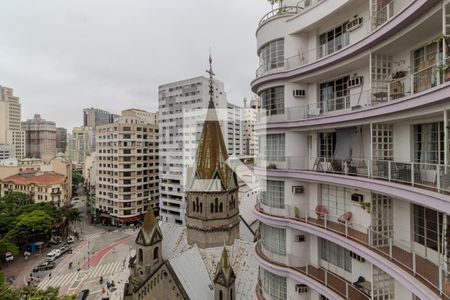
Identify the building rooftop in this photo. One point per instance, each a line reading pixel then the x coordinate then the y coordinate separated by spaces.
pixel 31 177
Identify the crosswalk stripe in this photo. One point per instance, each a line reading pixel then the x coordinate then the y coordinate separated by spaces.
pixel 68 279
pixel 109 268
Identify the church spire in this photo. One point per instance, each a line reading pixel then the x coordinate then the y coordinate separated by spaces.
pixel 211 82
pixel 150 232
pixel 224 273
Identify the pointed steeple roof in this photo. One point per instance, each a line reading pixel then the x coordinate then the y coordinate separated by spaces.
pixel 150 232
pixel 212 152
pixel 224 272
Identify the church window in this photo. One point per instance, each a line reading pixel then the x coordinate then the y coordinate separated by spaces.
pixel 231 294
pixel 140 256
pixel 212 208
pixel 155 253
pixel 201 207
pixel 221 207
pixel 216 205
pixel 194 207
pixel 220 295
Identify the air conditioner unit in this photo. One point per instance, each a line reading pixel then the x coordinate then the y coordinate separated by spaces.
pixel 300 189
pixel 357 197
pixel 301 288
pixel 299 93
pixel 354 23
pixel 300 238
pixel 355 81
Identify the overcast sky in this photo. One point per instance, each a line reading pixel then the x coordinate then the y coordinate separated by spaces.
pixel 61 56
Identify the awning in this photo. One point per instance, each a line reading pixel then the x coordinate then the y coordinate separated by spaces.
pixel 344 141
pixel 104 215
pixel 130 219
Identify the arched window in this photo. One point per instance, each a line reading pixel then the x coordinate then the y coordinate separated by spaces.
pixel 201 207
pixel 231 294
pixel 155 253
pixel 220 295
pixel 216 205
pixel 140 256
pixel 221 207
pixel 212 208
pixel 194 207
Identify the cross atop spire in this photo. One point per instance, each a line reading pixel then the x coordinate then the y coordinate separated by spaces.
pixel 211 80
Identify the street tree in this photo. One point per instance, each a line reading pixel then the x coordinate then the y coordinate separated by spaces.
pixel 32 225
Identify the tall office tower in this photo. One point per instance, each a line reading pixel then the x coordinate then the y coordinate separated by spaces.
pixel 80 144
pixel 10 114
pixel 40 137
pixel 127 169
pixel 356 151
pixel 182 107
pixel 250 138
pixel 93 117
pixel 61 140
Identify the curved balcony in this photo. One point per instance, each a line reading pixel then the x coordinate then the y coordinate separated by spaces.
pixel 411 13
pixel 419 183
pixel 421 276
pixel 324 280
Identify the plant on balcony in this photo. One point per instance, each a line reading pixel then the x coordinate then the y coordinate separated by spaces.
pixel 271 166
pixel 365 206
pixel 296 213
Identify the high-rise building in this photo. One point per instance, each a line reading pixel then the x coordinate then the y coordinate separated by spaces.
pixel 356 151
pixel 40 137
pixel 6 151
pixel 93 117
pixel 81 143
pixel 61 140
pixel 10 114
pixel 127 167
pixel 250 138
pixel 182 107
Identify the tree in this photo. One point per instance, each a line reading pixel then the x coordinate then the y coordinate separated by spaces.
pixel 31 225
pixel 77 178
pixel 7 246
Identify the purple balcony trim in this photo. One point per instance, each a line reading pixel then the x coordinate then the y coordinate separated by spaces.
pixel 407 280
pixel 433 96
pixel 408 193
pixel 297 276
pixel 406 17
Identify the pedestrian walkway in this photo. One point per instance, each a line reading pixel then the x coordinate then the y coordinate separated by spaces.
pixel 92 273
pixel 93 236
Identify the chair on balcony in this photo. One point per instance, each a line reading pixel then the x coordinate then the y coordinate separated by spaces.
pixel 345 217
pixel 321 211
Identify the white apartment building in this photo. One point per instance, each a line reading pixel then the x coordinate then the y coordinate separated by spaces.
pixel 80 144
pixel 182 106
pixel 10 129
pixel 355 155
pixel 6 151
pixel 126 165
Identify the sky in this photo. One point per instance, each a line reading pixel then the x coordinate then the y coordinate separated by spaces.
pixel 61 56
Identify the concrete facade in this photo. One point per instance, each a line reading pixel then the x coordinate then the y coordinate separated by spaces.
pixel 11 132
pixel 40 136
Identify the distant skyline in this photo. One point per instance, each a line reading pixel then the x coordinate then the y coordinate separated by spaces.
pixel 61 57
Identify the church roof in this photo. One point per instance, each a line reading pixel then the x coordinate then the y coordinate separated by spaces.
pixel 150 232
pixel 212 153
pixel 224 272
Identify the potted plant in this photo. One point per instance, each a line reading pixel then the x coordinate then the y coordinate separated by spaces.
pixel 365 206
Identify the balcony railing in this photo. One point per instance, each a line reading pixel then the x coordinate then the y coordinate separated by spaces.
pixel 279 12
pixel 433 274
pixel 435 177
pixel 320 274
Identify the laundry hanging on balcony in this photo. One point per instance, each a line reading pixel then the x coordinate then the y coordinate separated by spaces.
pixel 344 141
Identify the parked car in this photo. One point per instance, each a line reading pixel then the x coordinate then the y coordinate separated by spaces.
pixel 70 239
pixel 55 240
pixel 83 295
pixel 65 248
pixel 46 265
pixel 9 256
pixel 54 254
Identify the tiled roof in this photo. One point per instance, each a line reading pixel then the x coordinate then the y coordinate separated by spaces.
pixel 40 179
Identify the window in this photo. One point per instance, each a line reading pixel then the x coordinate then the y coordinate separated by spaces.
pixel 140 256
pixel 429 143
pixel 272 147
pixel 333 40
pixel 274 285
pixel 336 199
pixel 273 196
pixel 273 239
pixel 271 55
pixel 427 76
pixel 334 95
pixel 427 227
pixel 336 255
pixel 382 141
pixel 327 144
pixel 155 253
pixel 272 100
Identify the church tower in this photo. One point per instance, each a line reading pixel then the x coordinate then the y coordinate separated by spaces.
pixel 224 280
pixel 148 256
pixel 212 217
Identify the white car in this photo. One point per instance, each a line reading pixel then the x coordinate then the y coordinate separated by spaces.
pixel 52 255
pixel 9 256
pixel 70 239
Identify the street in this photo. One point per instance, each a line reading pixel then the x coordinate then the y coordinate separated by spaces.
pixel 101 251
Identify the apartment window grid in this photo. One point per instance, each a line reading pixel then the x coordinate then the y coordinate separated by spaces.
pixel 336 199
pixel 333 40
pixel 273 147
pixel 428 227
pixel 426 72
pixel 274 285
pixel 336 255
pixel 327 144
pixel 272 100
pixel 383 285
pixel 273 239
pixel 334 95
pixel 382 219
pixel 273 196
pixel 383 141
pixel 271 55
pixel 429 143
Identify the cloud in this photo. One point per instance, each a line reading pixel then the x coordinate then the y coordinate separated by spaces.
pixel 62 56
